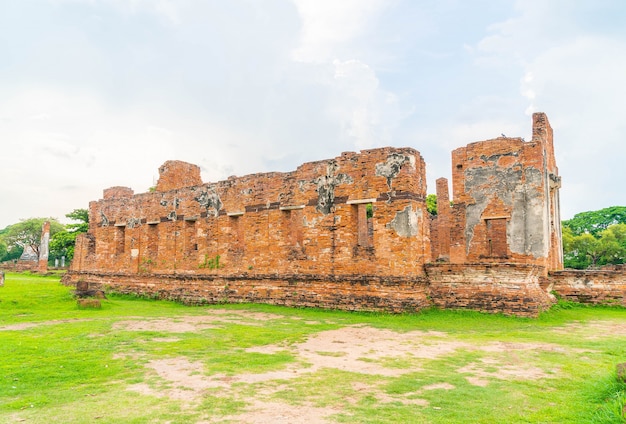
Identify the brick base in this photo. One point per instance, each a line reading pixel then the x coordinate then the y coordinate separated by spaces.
pixel 605 287
pixel 498 288
pixel 352 293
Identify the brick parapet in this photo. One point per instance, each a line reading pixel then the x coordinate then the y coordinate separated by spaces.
pixel 607 287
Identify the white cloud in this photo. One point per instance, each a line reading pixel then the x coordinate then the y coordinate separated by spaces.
pixel 575 73
pixel 367 112
pixel 327 25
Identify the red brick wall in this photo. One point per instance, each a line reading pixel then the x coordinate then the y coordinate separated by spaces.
pixel 591 286
pixel 506 206
pixel 306 238
pixel 306 221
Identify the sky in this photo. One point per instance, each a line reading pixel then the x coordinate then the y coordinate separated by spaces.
pixel 100 93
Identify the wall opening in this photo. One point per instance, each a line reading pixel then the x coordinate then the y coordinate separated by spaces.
pixel 365 224
pixel 496 237
pixel 236 232
pixel 120 239
pixel 189 240
pixel 152 245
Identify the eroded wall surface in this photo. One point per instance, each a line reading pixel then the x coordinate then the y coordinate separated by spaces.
pixel 604 286
pixel 357 214
pixel 505 202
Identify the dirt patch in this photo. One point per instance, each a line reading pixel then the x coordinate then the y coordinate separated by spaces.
pixel 357 349
pixel 27 325
pixel 183 380
pixel 439 386
pixel 362 349
pixel 594 330
pixel 215 319
pixel 280 413
pixel 188 325
pixel 489 368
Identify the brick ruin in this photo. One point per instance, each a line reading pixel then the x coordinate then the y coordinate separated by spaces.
pixel 351 232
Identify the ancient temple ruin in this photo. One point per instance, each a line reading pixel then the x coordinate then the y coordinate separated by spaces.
pixel 351 232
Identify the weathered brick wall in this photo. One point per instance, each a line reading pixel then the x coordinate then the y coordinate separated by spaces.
pixel 505 195
pixel 591 286
pixel 20 266
pixel 511 289
pixel 351 232
pixel 310 221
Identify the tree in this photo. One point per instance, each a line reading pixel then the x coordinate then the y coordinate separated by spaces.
pixel 593 222
pixel 585 250
pixel 80 215
pixel 3 250
pixel 612 245
pixel 27 233
pixel 64 242
pixel 431 204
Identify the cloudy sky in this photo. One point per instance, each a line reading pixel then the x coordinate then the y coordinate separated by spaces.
pixel 99 93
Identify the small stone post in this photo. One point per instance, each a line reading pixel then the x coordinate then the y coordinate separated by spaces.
pixel 1 278
pixel 43 248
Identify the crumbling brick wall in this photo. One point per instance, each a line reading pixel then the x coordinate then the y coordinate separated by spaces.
pixel 505 202
pixel 351 232
pixel 603 286
pixel 357 214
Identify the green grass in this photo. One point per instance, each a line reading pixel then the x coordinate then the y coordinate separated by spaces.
pixel 60 363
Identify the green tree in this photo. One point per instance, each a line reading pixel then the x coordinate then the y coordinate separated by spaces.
pixel 27 233
pixel 3 251
pixel 594 222
pixel 585 250
pixel 80 215
pixel 612 244
pixel 8 253
pixel 64 242
pixel 581 251
pixel 431 204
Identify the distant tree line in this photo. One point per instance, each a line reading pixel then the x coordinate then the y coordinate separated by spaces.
pixel 595 238
pixel 26 234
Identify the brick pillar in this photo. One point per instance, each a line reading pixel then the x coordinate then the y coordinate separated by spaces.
pixel 43 248
pixel 443 218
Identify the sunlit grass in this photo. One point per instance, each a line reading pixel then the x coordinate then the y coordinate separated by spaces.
pixel 65 364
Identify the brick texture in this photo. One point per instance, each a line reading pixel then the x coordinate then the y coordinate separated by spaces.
pixel 350 232
pixel 604 286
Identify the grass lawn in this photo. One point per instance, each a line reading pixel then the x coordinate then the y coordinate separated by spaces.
pixel 146 361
